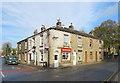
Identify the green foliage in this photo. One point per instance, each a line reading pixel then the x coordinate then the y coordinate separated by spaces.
pixel 14 52
pixel 109 32
pixel 6 47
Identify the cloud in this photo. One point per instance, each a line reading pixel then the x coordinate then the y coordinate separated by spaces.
pixel 19 20
pixel 109 11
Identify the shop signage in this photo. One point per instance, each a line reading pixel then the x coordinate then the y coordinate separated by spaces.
pixel 46 45
pixel 66 50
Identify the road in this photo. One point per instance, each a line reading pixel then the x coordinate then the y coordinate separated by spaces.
pixel 91 72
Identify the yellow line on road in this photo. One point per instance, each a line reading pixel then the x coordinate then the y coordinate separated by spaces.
pixel 108 79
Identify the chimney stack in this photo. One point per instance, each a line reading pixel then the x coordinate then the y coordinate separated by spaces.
pixel 35 32
pixel 43 28
pixel 58 24
pixel 91 33
pixel 71 26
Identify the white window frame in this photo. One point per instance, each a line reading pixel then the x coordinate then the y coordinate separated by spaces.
pixel 66 38
pixel 100 44
pixel 19 46
pixel 19 56
pixel 79 40
pixel 80 54
pixel 41 57
pixel 66 55
pixel 91 42
pixel 25 57
pixel 30 43
pixel 25 45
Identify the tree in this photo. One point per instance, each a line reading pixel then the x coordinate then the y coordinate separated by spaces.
pixel 6 47
pixel 14 52
pixel 108 32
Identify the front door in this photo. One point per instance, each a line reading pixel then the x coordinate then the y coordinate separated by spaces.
pixel 96 55
pixel 56 63
pixel 85 56
pixel 74 58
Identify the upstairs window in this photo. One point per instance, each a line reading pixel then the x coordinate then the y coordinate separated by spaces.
pixel 25 45
pixel 100 44
pixel 30 42
pixel 66 38
pixel 34 41
pixel 42 40
pixel 90 43
pixel 79 40
pixel 19 46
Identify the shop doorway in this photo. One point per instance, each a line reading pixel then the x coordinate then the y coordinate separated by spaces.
pixel 85 56
pixel 96 56
pixel 56 63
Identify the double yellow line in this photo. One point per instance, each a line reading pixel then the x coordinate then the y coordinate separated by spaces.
pixel 110 77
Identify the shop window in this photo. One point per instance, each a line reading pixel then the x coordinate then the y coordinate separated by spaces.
pixel 91 56
pixel 66 56
pixel 79 55
pixel 79 40
pixel 66 38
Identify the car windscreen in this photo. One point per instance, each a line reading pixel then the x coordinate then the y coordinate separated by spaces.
pixel 12 57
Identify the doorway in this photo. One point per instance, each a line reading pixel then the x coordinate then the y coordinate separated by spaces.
pixel 74 58
pixel 85 56
pixel 56 63
pixel 96 56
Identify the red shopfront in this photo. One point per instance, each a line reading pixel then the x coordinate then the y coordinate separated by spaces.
pixel 66 53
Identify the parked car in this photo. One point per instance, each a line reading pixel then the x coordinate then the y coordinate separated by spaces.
pixel 2 56
pixel 11 60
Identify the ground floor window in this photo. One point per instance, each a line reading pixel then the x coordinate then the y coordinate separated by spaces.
pixel 19 56
pixel 41 57
pixel 65 56
pixel 30 57
pixel 25 56
pixel 79 55
pixel 100 55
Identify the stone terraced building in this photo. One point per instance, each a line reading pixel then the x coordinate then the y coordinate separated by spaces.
pixel 60 46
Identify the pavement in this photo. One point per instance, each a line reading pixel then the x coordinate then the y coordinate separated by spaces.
pixel 97 72
pixel 116 77
pixel 61 67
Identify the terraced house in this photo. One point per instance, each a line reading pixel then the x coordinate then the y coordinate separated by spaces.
pixel 60 46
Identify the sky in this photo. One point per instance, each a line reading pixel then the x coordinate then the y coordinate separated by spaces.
pixel 20 19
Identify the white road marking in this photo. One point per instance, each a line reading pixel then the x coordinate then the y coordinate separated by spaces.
pixel 2 75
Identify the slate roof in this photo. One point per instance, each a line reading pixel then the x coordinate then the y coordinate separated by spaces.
pixel 65 30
